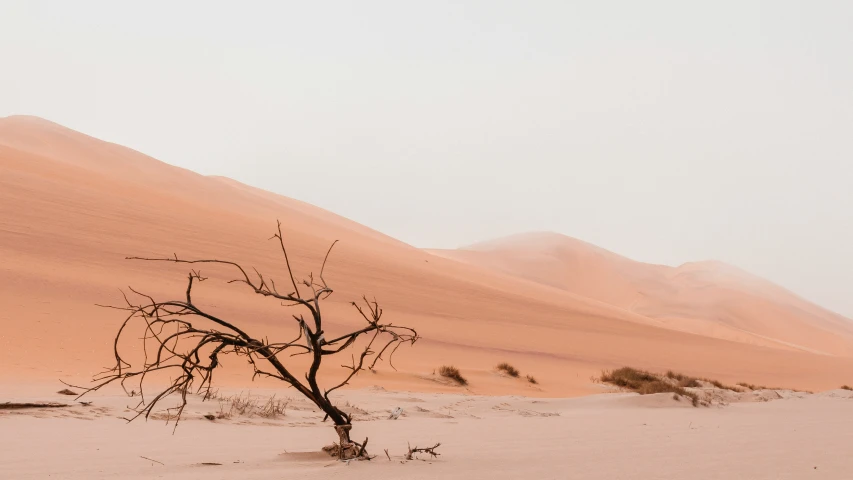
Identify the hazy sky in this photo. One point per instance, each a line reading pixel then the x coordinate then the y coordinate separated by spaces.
pixel 664 131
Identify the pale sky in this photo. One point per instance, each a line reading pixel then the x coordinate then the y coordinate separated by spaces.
pixel 664 131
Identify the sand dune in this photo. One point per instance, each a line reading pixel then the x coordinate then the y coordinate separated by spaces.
pixel 72 207
pixel 710 298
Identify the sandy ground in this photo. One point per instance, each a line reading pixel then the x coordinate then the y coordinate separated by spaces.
pixel 605 436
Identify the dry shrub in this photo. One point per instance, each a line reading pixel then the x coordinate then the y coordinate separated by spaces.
pixel 846 387
pixel 646 383
pixel 274 407
pixel 451 372
pixel 721 386
pixel 532 380
pixel 689 383
pixel 249 406
pixel 508 369
pixel 224 412
pixel 750 386
pixel 686 381
pixel 627 377
pixel 683 380
pixel 763 387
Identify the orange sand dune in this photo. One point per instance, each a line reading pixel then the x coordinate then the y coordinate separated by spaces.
pixel 710 298
pixel 72 207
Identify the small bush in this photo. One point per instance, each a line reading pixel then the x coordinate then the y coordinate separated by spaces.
pixel 532 380
pixel 274 407
pixel 689 383
pixel 721 386
pixel 627 377
pixel 846 387
pixel 508 369
pixel 224 413
pixel 248 406
pixel 451 372
pixel 646 383
pixel 683 380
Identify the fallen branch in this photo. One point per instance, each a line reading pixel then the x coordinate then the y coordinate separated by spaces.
pixel 429 450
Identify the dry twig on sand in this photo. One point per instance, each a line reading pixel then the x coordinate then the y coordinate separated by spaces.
pixel 429 450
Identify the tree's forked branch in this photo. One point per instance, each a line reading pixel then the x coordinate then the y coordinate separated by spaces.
pixel 189 342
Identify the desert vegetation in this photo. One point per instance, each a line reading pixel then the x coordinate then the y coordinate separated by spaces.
pixel 514 373
pixel 508 369
pixel 686 381
pixel 646 383
pixel 846 387
pixel 183 343
pixel 238 405
pixel 751 386
pixel 453 373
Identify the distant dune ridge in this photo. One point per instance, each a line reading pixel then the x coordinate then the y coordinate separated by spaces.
pixel 72 207
pixel 710 297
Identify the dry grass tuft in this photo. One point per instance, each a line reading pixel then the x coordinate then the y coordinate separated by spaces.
pixel 646 383
pixel 274 407
pixel 683 380
pixel 751 386
pixel 763 387
pixel 721 386
pixel 846 387
pixel 508 369
pixel 687 381
pixel 627 377
pixel 249 406
pixel 532 380
pixel 453 373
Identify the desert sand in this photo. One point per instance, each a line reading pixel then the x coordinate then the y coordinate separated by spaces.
pixel 605 436
pixel 72 207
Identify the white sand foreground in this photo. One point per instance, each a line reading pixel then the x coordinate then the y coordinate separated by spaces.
pixel 606 436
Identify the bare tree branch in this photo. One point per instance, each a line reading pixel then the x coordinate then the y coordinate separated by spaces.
pixel 190 341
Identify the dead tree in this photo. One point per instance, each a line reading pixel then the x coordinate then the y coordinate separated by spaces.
pixel 189 342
